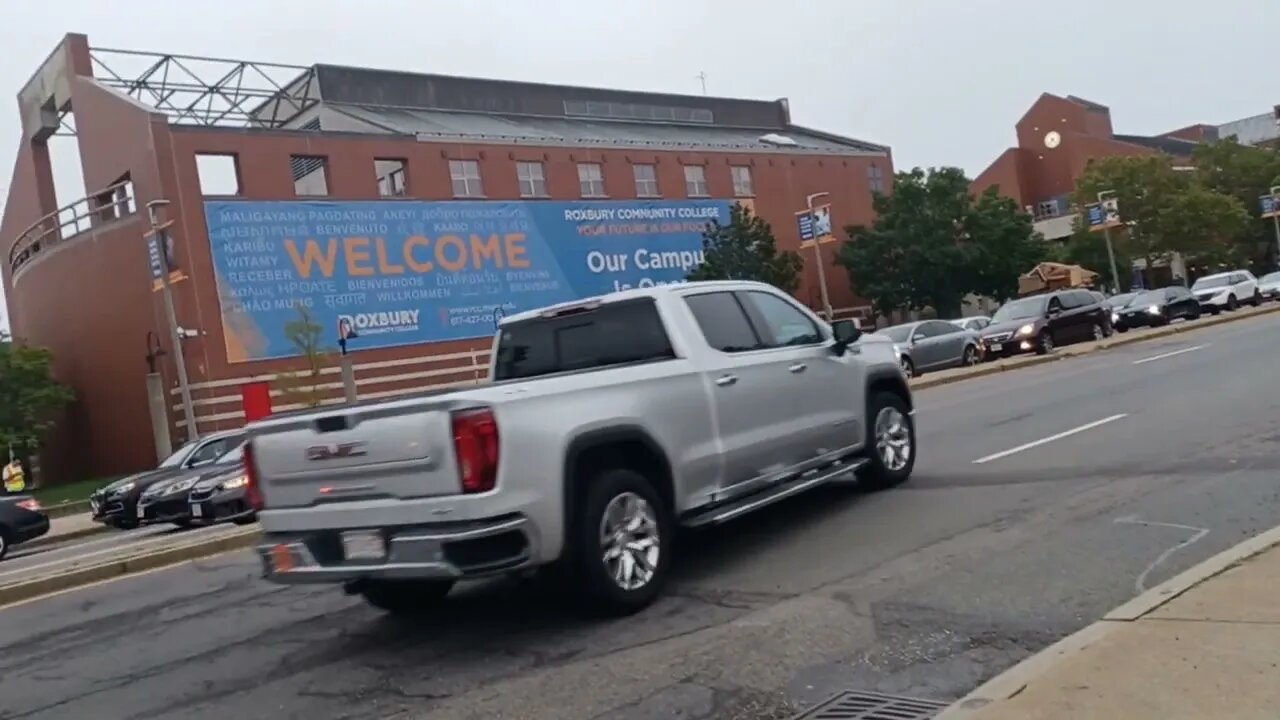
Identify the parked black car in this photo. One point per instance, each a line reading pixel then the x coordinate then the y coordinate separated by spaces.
pixel 116 505
pixel 1157 307
pixel 1040 323
pixel 167 501
pixel 223 496
pixel 21 519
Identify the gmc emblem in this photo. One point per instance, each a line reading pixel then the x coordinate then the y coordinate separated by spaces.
pixel 333 452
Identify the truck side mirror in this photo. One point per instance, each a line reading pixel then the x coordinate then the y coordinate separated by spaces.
pixel 846 333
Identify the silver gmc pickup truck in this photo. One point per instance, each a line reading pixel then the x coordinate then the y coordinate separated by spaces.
pixel 606 424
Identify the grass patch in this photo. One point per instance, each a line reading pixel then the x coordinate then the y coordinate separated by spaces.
pixel 70 492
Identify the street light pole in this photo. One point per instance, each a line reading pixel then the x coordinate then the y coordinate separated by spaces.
pixel 1106 233
pixel 175 337
pixel 817 254
pixel 1275 216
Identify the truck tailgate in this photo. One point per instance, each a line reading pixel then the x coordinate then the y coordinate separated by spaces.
pixel 356 453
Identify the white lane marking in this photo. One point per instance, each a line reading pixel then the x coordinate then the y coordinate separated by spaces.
pixel 1174 353
pixel 1051 438
pixel 1140 584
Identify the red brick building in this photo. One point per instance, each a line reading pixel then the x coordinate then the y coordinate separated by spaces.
pixel 77 274
pixel 1057 137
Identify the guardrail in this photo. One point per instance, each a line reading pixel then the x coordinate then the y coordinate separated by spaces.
pixel 114 202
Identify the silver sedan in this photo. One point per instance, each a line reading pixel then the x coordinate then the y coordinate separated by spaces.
pixel 930 345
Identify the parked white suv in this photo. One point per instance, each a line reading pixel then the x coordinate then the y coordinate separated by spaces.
pixel 1227 291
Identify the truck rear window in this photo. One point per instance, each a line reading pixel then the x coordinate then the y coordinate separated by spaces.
pixel 612 334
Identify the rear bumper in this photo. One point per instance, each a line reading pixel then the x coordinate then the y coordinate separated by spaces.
pixel 434 551
pixel 31 529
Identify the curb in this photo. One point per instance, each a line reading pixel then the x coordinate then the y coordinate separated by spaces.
pixel 1016 679
pixel 1116 340
pixel 37 587
pixel 67 509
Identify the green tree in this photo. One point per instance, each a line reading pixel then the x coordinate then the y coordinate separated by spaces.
pixel 303 387
pixel 1245 173
pixel 933 243
pixel 745 249
pixel 1165 210
pixel 30 396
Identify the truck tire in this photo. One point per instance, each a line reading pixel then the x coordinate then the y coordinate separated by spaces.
pixel 405 597
pixel 890 443
pixel 621 544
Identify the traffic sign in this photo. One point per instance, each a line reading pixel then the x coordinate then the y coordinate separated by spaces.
pixel 1270 205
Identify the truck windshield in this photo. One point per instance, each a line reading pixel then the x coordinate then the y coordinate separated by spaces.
pixel 611 334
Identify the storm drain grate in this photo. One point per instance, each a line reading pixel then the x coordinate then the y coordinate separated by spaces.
pixel 854 705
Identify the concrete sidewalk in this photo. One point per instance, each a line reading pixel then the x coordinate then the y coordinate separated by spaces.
pixel 70 527
pixel 1206 644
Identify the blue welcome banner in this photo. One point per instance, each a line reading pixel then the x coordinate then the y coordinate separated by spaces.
pixel 403 273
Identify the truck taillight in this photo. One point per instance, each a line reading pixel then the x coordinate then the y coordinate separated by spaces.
pixel 252 490
pixel 475 443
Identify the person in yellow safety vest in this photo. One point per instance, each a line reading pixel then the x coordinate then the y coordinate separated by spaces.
pixel 14 480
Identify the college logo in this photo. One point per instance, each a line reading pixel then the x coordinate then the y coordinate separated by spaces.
pixel 375 323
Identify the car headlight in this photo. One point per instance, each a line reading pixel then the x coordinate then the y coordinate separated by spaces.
pixel 155 490
pixel 180 486
pixel 241 481
pixel 1115 317
pixel 1026 329
pixel 123 489
pixel 1154 309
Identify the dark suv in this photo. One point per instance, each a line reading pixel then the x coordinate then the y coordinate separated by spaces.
pixel 1042 322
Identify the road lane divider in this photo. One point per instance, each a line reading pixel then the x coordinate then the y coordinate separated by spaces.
pixel 1052 438
pixel 27 588
pixel 1170 354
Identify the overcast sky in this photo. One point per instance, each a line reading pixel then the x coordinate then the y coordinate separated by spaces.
pixel 942 82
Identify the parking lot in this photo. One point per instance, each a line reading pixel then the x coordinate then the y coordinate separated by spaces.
pixel 1043 497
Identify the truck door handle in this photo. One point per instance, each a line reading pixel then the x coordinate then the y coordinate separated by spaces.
pixel 798 368
pixel 726 380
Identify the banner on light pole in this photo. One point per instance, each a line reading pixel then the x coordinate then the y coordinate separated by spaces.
pixel 815 226
pixel 1103 215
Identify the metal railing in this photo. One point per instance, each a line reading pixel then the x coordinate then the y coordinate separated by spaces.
pixel 111 203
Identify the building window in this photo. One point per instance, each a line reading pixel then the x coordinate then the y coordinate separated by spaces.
pixel 219 175
pixel 465 175
pixel 392 177
pixel 875 178
pixel 532 179
pixel 310 174
pixel 591 180
pixel 1047 209
pixel 646 181
pixel 695 181
pixel 742 185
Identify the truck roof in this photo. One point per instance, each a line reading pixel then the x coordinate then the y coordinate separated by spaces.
pixel 631 294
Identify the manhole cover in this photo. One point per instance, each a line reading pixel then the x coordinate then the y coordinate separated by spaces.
pixel 853 705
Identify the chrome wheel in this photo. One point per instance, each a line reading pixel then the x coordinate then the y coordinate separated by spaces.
pixel 629 540
pixel 970 356
pixel 893 439
pixel 1097 333
pixel 1046 341
pixel 907 368
pixel 4 546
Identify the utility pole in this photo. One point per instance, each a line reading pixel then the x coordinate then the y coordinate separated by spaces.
pixel 1275 205
pixel 702 76
pixel 158 237
pixel 817 254
pixel 1106 233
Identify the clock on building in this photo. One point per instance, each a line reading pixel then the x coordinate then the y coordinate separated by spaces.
pixel 1052 139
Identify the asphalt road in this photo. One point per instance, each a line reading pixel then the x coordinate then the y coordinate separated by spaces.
pixel 1043 498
